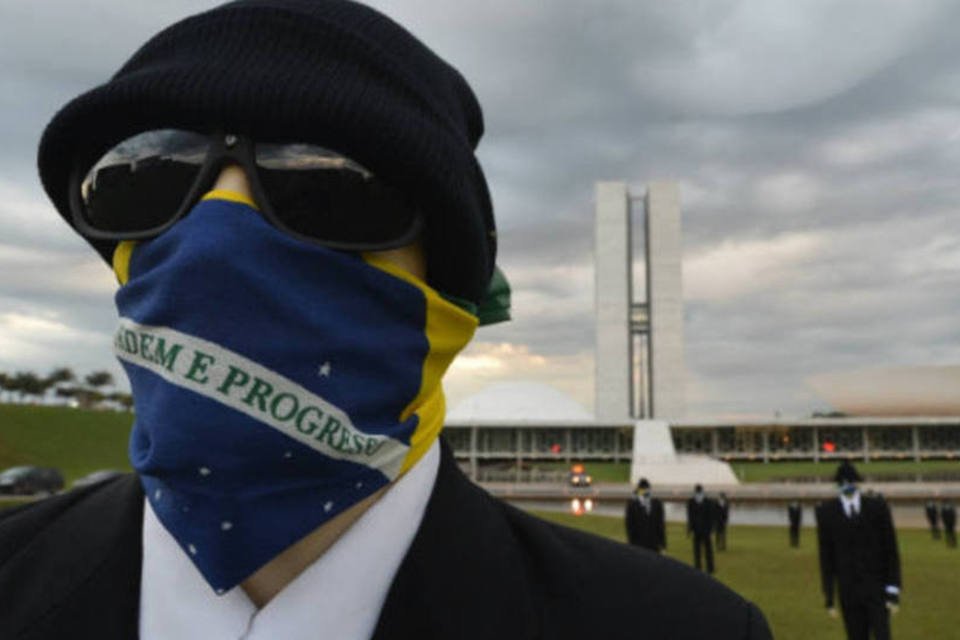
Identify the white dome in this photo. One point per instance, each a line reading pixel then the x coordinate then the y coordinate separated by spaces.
pixel 520 400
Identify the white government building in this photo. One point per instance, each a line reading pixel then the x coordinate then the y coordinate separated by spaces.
pixel 639 386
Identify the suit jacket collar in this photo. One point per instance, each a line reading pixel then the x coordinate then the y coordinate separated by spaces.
pixel 462 577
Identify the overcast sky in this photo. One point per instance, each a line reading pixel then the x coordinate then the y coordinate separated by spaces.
pixel 817 145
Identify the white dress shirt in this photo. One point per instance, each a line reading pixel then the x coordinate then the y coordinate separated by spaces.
pixel 644 502
pixel 851 503
pixel 338 597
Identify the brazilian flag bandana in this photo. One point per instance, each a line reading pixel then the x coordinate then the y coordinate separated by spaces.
pixel 276 383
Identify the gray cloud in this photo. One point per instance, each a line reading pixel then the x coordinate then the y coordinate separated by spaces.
pixel 839 120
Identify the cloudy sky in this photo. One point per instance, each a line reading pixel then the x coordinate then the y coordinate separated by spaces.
pixel 817 145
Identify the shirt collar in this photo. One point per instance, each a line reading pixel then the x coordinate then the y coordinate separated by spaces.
pixel 852 501
pixel 342 592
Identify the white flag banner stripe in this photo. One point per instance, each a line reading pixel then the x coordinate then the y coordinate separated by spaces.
pixel 270 398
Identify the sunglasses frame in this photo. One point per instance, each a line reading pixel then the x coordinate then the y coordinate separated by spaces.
pixel 224 149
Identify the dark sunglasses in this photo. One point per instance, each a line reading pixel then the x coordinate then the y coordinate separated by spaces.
pixel 145 184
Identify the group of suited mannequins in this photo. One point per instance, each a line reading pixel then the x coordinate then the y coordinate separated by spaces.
pixel 948 516
pixel 646 528
pixel 859 559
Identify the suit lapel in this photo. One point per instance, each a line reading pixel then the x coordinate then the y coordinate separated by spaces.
pixel 462 576
pixel 90 558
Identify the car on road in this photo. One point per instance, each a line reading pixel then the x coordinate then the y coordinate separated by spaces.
pixel 579 477
pixel 24 481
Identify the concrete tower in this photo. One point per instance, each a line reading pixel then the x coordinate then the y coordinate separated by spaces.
pixel 618 317
pixel 613 372
pixel 665 301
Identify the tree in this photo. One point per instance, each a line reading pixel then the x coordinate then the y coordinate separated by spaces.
pixel 125 400
pixel 99 379
pixel 4 381
pixel 27 383
pixel 59 376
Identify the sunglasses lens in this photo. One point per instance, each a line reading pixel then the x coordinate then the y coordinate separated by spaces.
pixel 322 195
pixel 140 183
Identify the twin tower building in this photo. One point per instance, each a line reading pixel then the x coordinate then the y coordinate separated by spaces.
pixel 639 311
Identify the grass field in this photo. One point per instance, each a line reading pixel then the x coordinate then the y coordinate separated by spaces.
pixel 785 582
pixel 73 440
pixel 892 469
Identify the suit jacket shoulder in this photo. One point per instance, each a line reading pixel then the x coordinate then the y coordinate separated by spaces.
pixel 70 564
pixel 507 574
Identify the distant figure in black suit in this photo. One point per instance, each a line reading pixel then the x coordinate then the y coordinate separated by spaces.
pixel 933 518
pixel 948 513
pixel 722 517
pixel 858 551
pixel 701 515
pixel 795 515
pixel 645 521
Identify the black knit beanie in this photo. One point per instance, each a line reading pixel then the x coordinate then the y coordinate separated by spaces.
pixel 329 72
pixel 846 472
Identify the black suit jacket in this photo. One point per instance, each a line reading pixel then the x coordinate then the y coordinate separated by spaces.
pixel 949 516
pixel 795 514
pixel 860 554
pixel 701 516
pixel 723 514
pixel 932 515
pixel 647 530
pixel 477 569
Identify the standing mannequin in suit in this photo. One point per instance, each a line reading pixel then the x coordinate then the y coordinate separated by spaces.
pixel 859 558
pixel 645 520
pixel 701 520
pixel 722 517
pixel 948 514
pixel 933 517
pixel 795 515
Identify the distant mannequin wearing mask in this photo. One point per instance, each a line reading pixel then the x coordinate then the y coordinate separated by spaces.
pixel 701 521
pixel 795 516
pixel 645 520
pixel 933 517
pixel 859 558
pixel 723 516
pixel 948 513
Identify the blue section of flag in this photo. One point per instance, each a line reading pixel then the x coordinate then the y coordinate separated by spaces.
pixel 233 491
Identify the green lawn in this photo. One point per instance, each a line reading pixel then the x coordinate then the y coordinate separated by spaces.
pixel 881 469
pixel 785 582
pixel 600 471
pixel 73 440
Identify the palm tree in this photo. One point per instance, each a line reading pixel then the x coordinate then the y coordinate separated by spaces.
pixel 99 379
pixel 27 383
pixel 125 400
pixel 91 395
pixel 59 376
